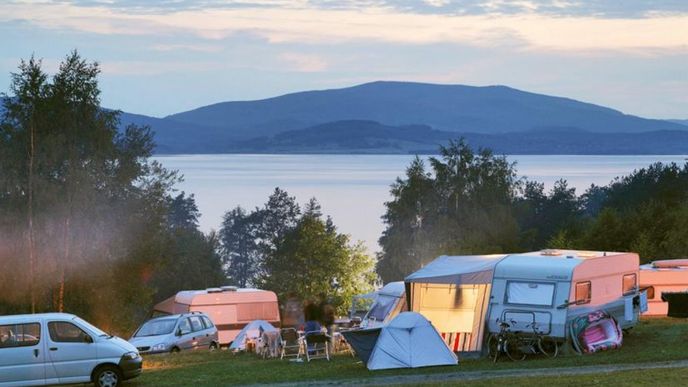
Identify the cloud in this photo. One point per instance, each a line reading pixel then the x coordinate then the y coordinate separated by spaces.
pixel 304 62
pixel 314 25
pixel 188 47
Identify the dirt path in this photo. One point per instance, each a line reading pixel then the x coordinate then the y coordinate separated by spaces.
pixel 488 374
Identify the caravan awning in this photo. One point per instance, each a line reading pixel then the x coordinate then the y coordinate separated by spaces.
pixel 461 269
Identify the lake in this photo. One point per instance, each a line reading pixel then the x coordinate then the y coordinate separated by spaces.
pixel 353 188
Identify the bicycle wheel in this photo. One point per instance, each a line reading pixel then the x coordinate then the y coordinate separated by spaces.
pixel 514 350
pixel 548 346
pixel 493 347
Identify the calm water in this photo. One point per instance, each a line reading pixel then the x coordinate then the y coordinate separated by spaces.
pixel 353 188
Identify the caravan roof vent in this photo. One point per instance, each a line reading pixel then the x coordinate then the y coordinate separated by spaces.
pixel 587 254
pixel 229 288
pixel 550 252
pixel 214 290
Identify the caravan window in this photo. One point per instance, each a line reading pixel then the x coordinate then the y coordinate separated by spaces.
pixel 629 284
pixel 530 293
pixel 650 292
pixel 583 292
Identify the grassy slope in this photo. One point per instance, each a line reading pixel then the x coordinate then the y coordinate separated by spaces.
pixel 652 340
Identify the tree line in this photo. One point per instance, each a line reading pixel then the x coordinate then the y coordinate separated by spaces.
pixel 473 202
pixel 88 223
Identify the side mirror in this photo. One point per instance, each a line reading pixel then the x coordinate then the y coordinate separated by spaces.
pixel 179 332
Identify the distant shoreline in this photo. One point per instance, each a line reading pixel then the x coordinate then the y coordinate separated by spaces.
pixel 410 154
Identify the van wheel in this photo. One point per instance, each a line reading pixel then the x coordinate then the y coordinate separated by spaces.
pixel 213 346
pixel 107 376
pixel 175 350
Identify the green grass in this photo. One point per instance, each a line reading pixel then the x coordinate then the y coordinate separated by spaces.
pixel 651 341
pixel 653 377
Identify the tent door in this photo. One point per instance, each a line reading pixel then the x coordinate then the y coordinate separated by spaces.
pixel 524 320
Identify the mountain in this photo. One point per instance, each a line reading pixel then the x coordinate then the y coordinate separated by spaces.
pixel 454 108
pixel 680 122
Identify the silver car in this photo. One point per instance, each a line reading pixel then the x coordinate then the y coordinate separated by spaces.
pixel 175 333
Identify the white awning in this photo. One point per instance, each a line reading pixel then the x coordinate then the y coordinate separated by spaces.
pixel 461 269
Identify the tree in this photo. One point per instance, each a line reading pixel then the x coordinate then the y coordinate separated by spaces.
pixel 463 207
pixel 241 251
pixel 23 122
pixel 83 207
pixel 314 261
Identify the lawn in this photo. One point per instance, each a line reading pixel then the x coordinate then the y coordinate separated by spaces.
pixel 655 378
pixel 651 341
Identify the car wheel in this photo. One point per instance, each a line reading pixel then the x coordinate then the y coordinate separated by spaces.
pixel 175 350
pixel 213 346
pixel 107 376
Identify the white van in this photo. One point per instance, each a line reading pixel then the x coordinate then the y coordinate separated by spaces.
pixel 60 348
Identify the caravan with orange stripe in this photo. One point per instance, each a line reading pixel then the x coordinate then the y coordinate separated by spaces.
pixel 466 297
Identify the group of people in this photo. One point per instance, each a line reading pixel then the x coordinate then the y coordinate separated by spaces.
pixel 309 316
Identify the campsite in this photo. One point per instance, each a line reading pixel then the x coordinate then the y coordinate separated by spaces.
pixel 310 192
pixel 653 340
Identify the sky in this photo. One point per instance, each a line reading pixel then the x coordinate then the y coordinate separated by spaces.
pixel 163 57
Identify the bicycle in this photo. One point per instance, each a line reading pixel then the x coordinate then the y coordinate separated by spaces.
pixel 498 343
pixel 517 346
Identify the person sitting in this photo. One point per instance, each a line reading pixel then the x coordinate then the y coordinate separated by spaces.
pixel 312 326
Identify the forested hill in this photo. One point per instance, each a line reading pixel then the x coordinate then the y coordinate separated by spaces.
pixel 369 137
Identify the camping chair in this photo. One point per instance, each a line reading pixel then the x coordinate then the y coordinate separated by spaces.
pixel 317 345
pixel 291 344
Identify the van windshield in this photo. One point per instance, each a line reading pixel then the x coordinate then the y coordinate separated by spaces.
pixel 91 327
pixel 157 327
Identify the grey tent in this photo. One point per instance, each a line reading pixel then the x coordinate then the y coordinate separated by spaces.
pixel 408 341
pixel 252 330
pixel 362 341
pixel 454 292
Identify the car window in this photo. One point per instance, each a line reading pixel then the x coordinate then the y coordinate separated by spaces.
pixel 208 323
pixel 156 327
pixel 20 335
pixel 196 323
pixel 66 332
pixel 184 326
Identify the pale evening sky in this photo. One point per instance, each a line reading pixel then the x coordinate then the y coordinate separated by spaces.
pixel 163 57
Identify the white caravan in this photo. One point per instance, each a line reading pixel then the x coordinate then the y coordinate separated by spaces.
pixel 466 297
pixel 544 290
pixel 60 348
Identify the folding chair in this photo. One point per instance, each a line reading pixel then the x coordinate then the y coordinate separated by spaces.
pixel 291 344
pixel 317 345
